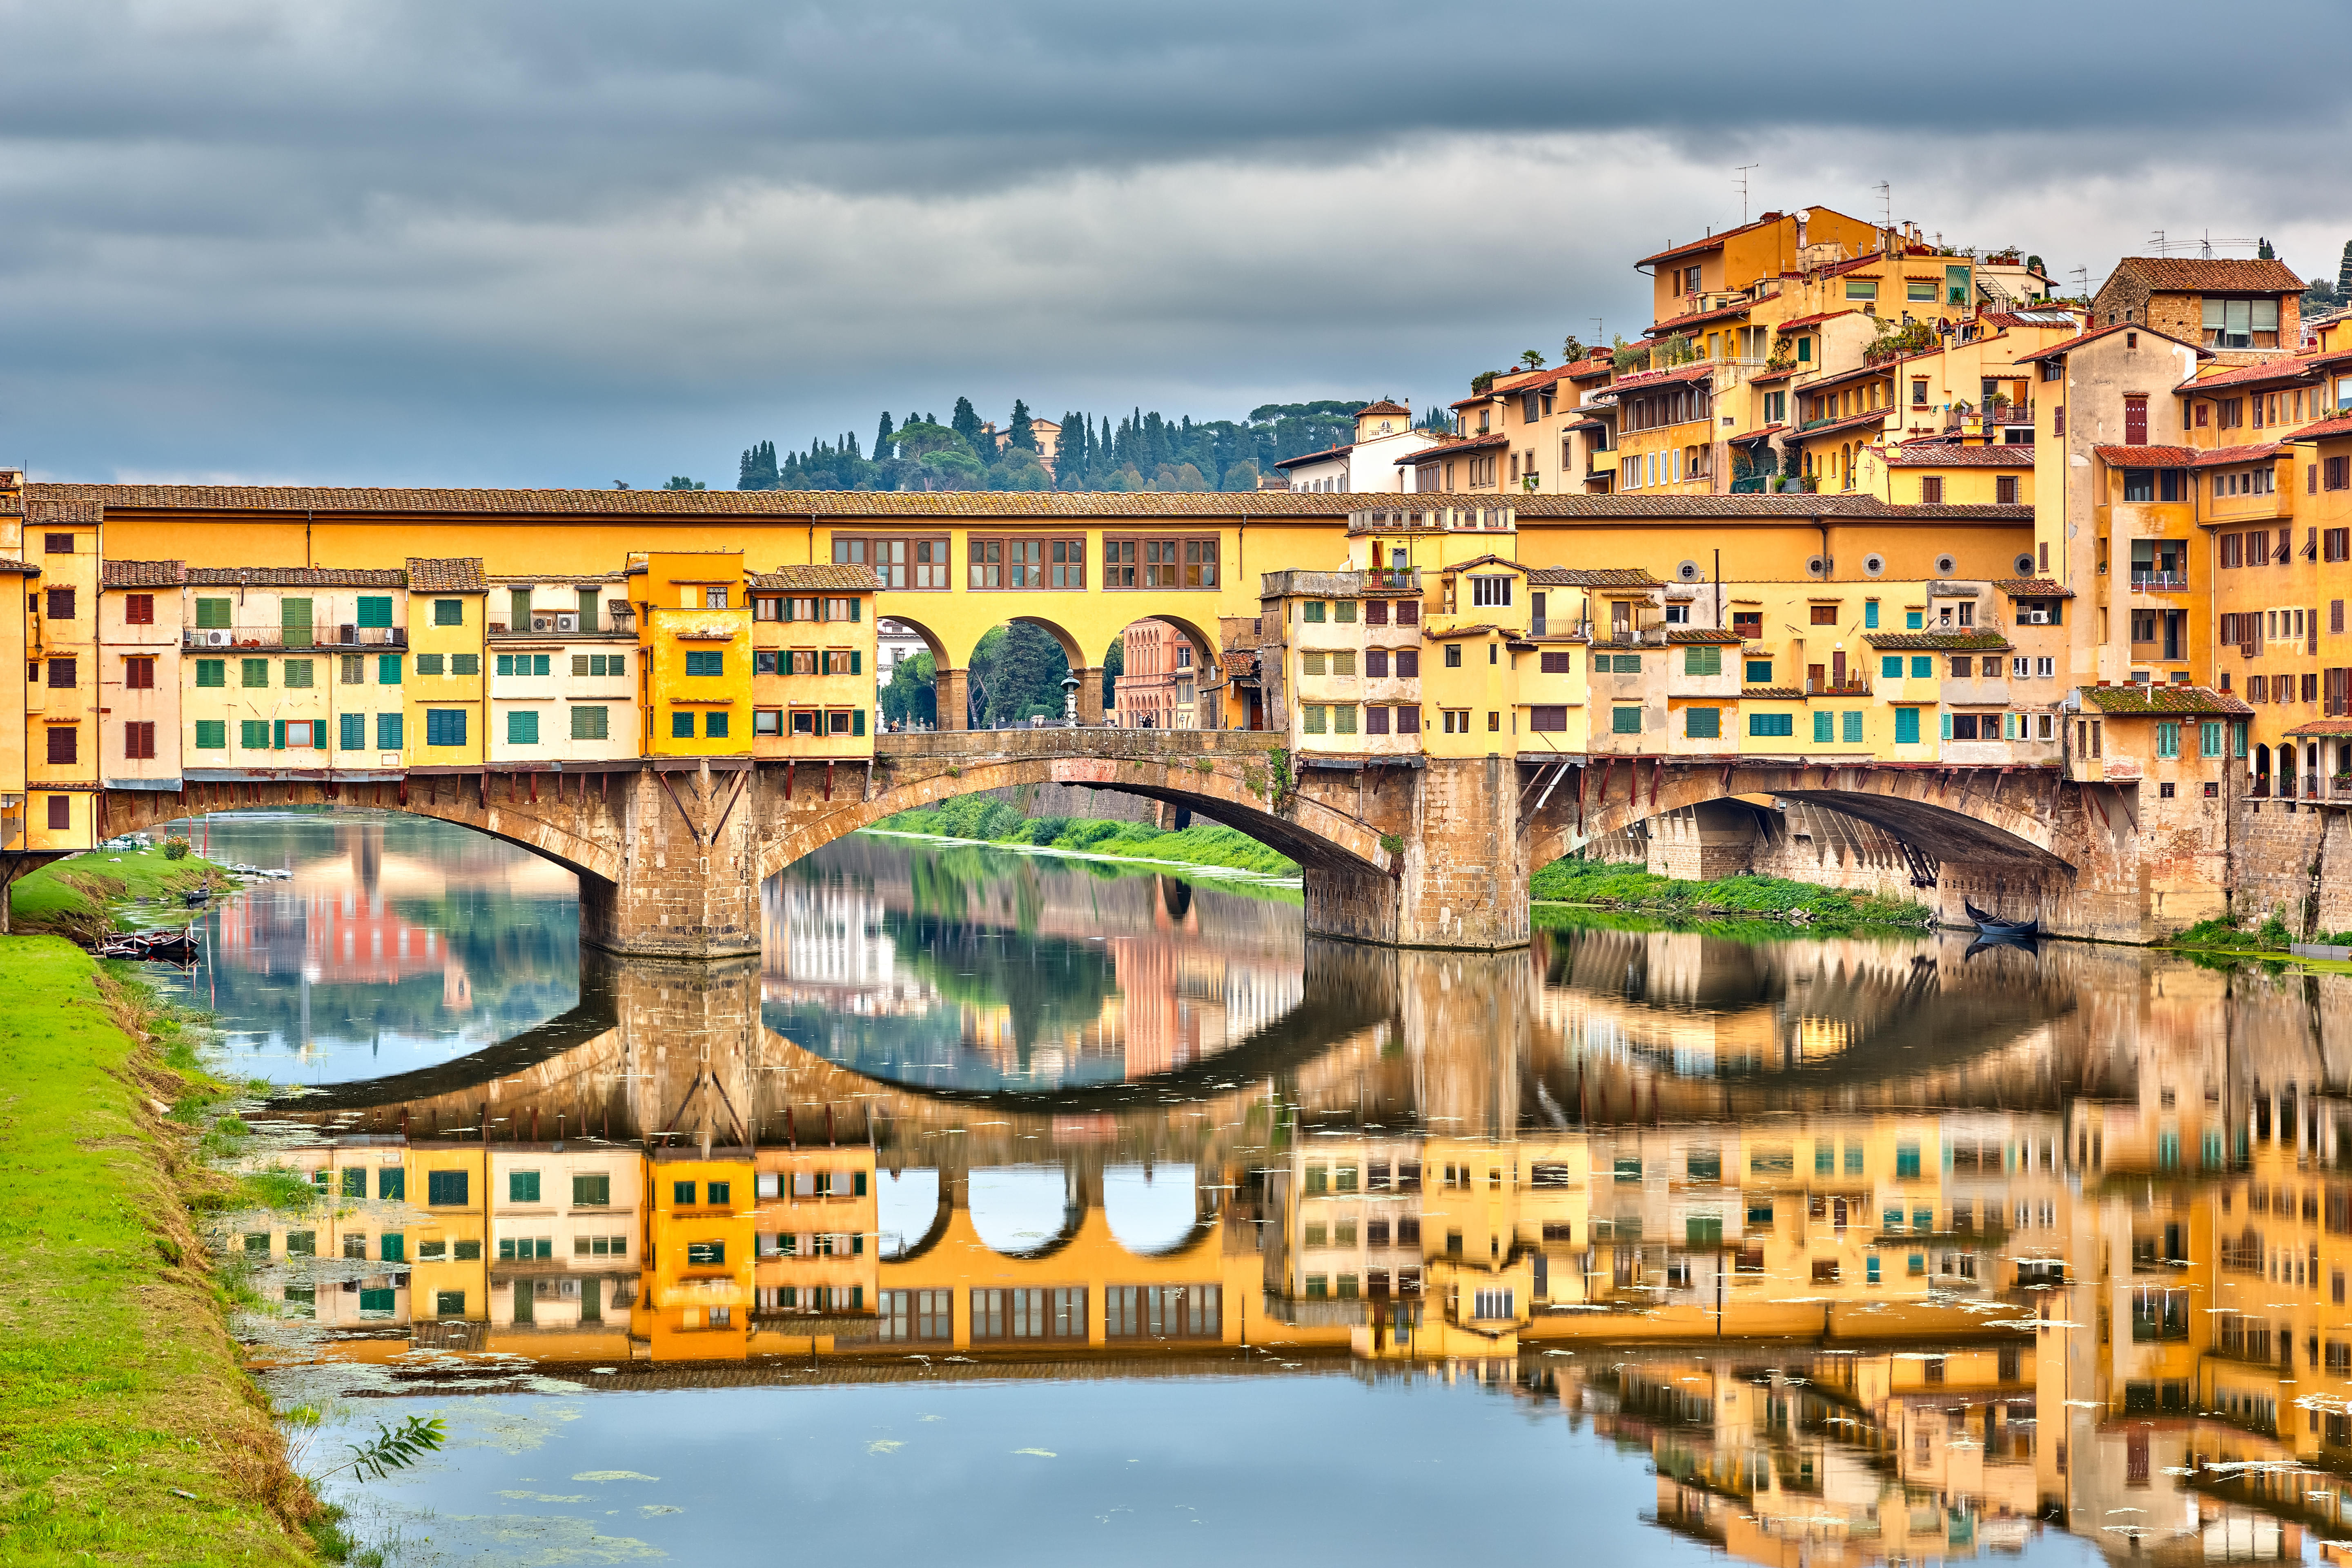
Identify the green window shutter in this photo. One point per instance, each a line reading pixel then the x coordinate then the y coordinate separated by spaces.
pixel 1907 726
pixel 252 734
pixel 1890 667
pixel 1923 667
pixel 857 659
pixel 255 672
pixel 1821 735
pixel 354 1182
pixel 1914 619
pixel 714 726
pixel 1851 727
pixel 1314 611
pixel 539 663
pixel 1760 672
pixel 428 664
pixel 212 734
pixel 375 610
pixel 211 672
pixel 444 726
pixel 2209 735
pixel 1703 723
pixel 506 664
pixel 278 734
pixel 1625 721
pixel 1343 718
pixel 856 609
pixel 297 672
pixel 522 728
pixel 387 731
pixel 294 621
pixel 588 724
pixel 465 664
pixel 387 670
pixel 391 1182
pixel 857 727
pixel 353 737
pixel 212 614
pixel 1870 615
pixel 681 726
pixel 1947 726
pixel 522 1187
pixel 449 612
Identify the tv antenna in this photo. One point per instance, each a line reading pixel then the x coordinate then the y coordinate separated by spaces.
pixel 1599 335
pixel 1886 203
pixel 2203 245
pixel 1742 172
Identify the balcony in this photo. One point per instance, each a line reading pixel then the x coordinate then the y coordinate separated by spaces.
pixel 1851 686
pixel 2160 581
pixel 564 624
pixel 341 636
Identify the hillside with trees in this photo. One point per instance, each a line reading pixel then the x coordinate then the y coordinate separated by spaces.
pixel 1137 451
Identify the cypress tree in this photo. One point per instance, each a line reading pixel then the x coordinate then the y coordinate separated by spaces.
pixel 965 422
pixel 882 437
pixel 1020 434
pixel 2343 275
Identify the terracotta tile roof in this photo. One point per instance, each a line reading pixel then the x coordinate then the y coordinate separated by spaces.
pixel 1981 640
pixel 2147 457
pixel 1382 407
pixel 459 574
pixel 143 573
pixel 2222 457
pixel 691 505
pixel 1803 321
pixel 1759 434
pixel 1591 577
pixel 294 577
pixel 1783 374
pixel 827 577
pixel 14 568
pixel 2096 333
pixel 2208 275
pixel 1528 380
pixel 1699 246
pixel 2333 424
pixel 1326 454
pixel 2321 727
pixel 1482 629
pixel 1698 318
pixel 1861 373
pixel 2032 588
pixel 1773 693
pixel 1679 635
pixel 2280 371
pixel 1936 455
pixel 1586 369
pixel 1793 504
pixel 2160 700
pixel 1475 444
pixel 1587 424
pixel 1489 559
pixel 1702 371
pixel 1878 416
pixel 39 508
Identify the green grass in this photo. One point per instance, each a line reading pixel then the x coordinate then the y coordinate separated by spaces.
pixel 77 897
pixel 1630 887
pixel 119 1385
pixel 992 821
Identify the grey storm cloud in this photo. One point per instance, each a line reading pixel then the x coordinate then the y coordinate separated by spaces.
pixel 568 242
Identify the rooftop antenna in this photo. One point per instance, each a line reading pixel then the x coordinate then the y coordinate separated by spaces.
pixel 1886 203
pixel 1600 334
pixel 2082 276
pixel 1742 172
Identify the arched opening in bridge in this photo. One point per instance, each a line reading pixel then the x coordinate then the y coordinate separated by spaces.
pixel 905 1205
pixel 1152 1208
pixel 1161 673
pixel 1016 675
pixel 907 659
pixel 1021 1208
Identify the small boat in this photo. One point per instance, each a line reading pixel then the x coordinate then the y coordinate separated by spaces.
pixel 197 896
pixel 1992 928
pixel 152 946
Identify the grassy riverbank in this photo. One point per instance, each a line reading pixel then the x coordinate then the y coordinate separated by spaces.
pixel 1630 887
pixel 991 821
pixel 78 898
pixel 128 1431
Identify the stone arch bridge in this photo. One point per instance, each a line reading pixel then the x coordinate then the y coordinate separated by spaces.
pixel 671 855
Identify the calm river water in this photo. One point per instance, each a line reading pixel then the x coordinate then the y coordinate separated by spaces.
pixel 1014 1208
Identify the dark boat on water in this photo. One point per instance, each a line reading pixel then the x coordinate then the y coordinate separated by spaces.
pixel 152 946
pixel 1992 928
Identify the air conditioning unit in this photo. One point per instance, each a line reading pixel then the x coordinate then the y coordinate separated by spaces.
pixel 220 638
pixel 2037 618
pixel 567 621
pixel 347 632
pixel 542 623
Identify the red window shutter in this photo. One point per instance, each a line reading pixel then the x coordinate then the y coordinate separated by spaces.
pixel 65 743
pixel 2135 419
pixel 60 811
pixel 139 610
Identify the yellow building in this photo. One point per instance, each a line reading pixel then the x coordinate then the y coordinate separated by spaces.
pixel 812 673
pixel 699 1257
pixel 267 656
pixel 562 670
pixel 139 616
pixel 694 639
pixel 444 700
pixel 61 658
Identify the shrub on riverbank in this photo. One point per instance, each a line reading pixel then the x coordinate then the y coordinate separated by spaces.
pixel 1575 880
pixel 992 821
pixel 113 1358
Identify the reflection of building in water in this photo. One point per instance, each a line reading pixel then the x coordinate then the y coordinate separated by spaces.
pixel 827 943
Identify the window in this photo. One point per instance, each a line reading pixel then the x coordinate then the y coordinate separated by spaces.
pixel 387 670
pixel 1314 717
pixel 139 740
pixel 709 662
pixel 1160 563
pixel 535 663
pixel 1625 721
pixel 446 1189
pixel 900 560
pixel 2004 489
pixel 1931 490
pixel 714 726
pixel 1760 672
pixel 64 746
pixel 1705 659
pixel 1701 723
pixel 1454 655
pixel 252 734
pixel 522 1187
pixel 254 672
pixel 297 673
pixel 449 612
pixel 2336 473
pixel 2168 739
pixel 1772 725
pixel 211 672
pixel 589 724
pixel 2209 736
pixel 444 726
pixel 1824 615
pixel 706 1254
pixel 1907 726
pixel 1163 1311
pixel 1862 288
pixel 388 729
pixel 522 728
pixel 429 663
pixel 1490 591
pixel 212 734
pixel 60 603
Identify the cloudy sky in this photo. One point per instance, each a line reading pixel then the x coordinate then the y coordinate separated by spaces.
pixel 395 241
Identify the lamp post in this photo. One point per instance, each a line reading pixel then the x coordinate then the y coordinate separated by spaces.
pixel 1070 701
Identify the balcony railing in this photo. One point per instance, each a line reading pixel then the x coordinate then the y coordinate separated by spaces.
pixel 567 625
pixel 1851 686
pixel 2160 581
pixel 341 636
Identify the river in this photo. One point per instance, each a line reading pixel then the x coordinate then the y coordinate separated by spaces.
pixel 1023 1208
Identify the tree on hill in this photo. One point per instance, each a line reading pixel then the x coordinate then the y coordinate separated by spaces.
pixel 882 437
pixel 759 470
pixel 965 422
pixel 1020 434
pixel 680 482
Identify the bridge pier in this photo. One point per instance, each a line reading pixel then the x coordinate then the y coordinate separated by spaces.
pixel 689 886
pixel 1460 866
